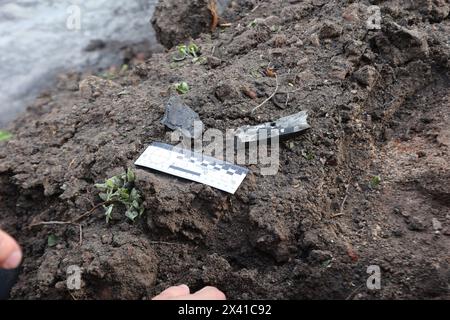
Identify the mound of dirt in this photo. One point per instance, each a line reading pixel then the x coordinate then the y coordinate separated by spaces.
pixel 175 21
pixel 367 185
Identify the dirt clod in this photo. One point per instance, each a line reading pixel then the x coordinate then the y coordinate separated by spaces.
pixel 176 21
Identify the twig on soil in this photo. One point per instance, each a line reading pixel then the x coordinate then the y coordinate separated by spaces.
pixel 341 209
pixel 81 234
pixel 73 297
pixel 84 215
pixel 89 200
pixel 269 98
pixel 71 163
pixel 351 295
pixel 163 242
pixel 289 92
pixel 48 223
pixel 255 8
pixel 74 221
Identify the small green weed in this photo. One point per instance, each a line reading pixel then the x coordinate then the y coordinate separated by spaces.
pixel 5 135
pixel 187 51
pixel 375 182
pixel 182 87
pixel 308 155
pixel 253 24
pixel 121 189
pixel 52 240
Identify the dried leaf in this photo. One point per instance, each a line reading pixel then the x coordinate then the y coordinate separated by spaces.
pixel 270 72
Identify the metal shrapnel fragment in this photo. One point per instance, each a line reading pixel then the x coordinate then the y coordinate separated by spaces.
pixel 283 126
pixel 179 116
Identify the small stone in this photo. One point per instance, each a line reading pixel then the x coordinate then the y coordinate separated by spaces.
pixel 406 44
pixel 141 70
pixel 214 62
pixel 416 224
pixel 330 30
pixel 61 285
pixel 295 183
pixel 397 233
pixel 303 62
pixel 106 238
pixel 367 76
pixel 341 69
pixel 252 197
pixel 421 154
pixel 93 87
pixel 437 225
pixel 276 52
pixel 377 231
pixel 279 40
pixel 320 256
pixel 350 14
pixel 314 40
pixel 225 91
pixel 272 21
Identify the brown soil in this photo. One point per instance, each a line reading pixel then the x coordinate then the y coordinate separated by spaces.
pixel 379 105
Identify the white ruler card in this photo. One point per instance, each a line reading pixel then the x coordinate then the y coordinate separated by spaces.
pixel 193 166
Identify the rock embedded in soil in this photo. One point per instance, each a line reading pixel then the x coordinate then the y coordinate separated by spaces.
pixel 226 91
pixel 367 76
pixel 176 21
pixel 416 223
pixel 213 62
pixel 437 225
pixel 320 256
pixel 402 44
pixel 434 10
pixel 93 87
pixel 329 30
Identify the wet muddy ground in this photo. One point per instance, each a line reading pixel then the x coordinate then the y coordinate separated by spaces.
pixel 368 184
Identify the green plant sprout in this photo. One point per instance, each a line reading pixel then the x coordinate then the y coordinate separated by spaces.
pixel 193 50
pixel 5 135
pixel 187 51
pixel 124 68
pixel 52 240
pixel 182 53
pixel 121 189
pixel 375 182
pixel 182 87
pixel 308 155
pixel 253 24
